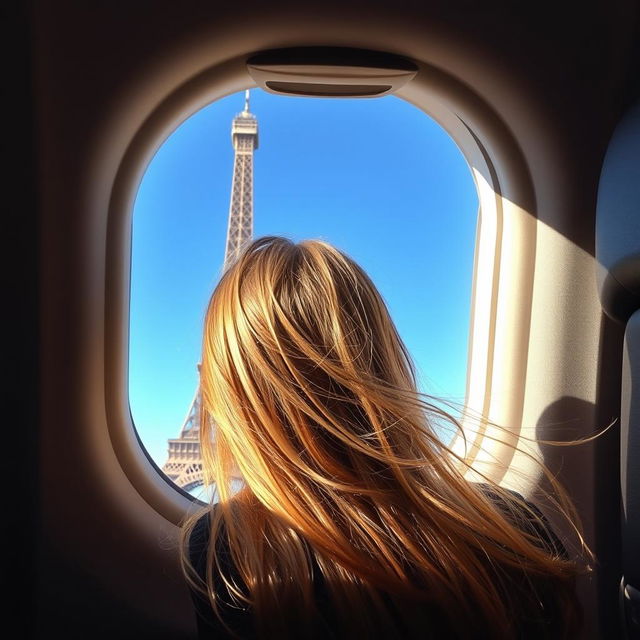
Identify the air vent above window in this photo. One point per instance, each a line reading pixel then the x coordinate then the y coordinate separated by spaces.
pixel 330 72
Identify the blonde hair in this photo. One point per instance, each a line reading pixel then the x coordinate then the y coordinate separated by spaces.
pixel 310 395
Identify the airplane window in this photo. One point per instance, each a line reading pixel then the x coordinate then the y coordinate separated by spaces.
pixel 376 177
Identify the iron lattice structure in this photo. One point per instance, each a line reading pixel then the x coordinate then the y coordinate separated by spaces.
pixel 184 462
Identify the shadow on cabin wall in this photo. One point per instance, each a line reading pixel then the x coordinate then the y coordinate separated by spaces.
pixel 563 421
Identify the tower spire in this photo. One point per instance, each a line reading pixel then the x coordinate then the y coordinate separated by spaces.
pixel 244 137
pixel 184 464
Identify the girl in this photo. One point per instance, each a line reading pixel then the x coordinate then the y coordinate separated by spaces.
pixel 355 520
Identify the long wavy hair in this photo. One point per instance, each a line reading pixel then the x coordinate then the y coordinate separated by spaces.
pixel 310 396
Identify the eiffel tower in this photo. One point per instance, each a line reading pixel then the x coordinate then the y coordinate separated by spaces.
pixel 184 463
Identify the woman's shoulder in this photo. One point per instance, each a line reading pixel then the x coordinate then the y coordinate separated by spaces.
pixel 526 516
pixel 236 616
pixel 201 530
pixel 199 539
pixel 199 535
pixel 522 512
pixel 519 510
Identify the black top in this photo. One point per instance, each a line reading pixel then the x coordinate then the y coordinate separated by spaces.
pixel 326 626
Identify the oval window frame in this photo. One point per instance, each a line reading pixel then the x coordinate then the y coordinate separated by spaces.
pixel 502 281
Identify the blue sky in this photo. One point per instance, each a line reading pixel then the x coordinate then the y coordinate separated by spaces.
pixel 377 178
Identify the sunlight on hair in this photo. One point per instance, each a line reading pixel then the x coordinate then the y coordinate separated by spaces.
pixel 310 396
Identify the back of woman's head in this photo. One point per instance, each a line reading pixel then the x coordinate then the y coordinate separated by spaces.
pixel 309 395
